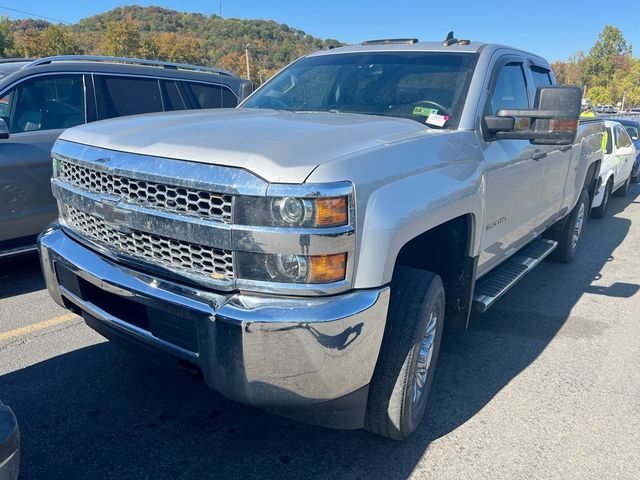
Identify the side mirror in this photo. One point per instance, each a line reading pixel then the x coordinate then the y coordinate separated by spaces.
pixel 246 89
pixel 552 121
pixel 4 129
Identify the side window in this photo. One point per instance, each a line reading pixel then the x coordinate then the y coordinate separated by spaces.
pixel 541 77
pixel 120 96
pixel 510 89
pixel 172 98
pixel 622 139
pixel 211 96
pixel 44 103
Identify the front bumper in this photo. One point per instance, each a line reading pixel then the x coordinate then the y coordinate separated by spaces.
pixel 9 444
pixel 302 357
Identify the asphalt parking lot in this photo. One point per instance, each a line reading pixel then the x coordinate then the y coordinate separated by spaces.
pixel 544 385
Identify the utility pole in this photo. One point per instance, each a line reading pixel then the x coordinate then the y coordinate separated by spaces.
pixel 246 55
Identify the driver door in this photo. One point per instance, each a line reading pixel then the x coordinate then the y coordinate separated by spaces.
pixel 512 174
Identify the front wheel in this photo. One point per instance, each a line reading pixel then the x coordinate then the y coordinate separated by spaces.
pixel 402 378
pixel 569 235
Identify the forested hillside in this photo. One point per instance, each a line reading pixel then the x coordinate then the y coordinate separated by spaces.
pixel 159 33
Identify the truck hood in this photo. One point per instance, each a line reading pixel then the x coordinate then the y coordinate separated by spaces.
pixel 276 145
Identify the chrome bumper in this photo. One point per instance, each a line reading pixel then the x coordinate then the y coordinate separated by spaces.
pixel 276 353
pixel 9 444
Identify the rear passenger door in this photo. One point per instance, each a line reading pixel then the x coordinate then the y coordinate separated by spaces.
pixel 119 96
pixel 624 155
pixel 36 111
pixel 555 160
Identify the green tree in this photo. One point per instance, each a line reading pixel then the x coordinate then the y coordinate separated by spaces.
pixel 56 40
pixel 121 39
pixel 599 95
pixel 6 38
pixel 172 47
pixel 600 64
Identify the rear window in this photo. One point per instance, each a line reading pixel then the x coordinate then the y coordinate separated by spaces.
pixel 120 96
pixel 172 97
pixel 541 77
pixel 632 131
pixel 211 96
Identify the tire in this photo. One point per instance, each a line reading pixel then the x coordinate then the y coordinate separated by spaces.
pixel 568 237
pixel 396 405
pixel 601 211
pixel 624 189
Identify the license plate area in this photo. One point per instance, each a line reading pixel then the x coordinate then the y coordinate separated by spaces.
pixel 169 327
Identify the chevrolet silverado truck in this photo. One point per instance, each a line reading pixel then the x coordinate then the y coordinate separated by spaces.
pixel 304 251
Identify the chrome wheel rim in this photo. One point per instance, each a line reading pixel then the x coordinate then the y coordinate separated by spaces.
pixel 425 355
pixel 577 228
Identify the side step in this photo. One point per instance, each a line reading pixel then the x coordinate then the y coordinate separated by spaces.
pixel 496 283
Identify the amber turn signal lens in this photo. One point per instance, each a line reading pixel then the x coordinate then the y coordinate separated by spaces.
pixel 331 212
pixel 327 268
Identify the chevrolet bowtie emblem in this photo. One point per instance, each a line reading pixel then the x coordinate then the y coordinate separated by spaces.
pixel 111 213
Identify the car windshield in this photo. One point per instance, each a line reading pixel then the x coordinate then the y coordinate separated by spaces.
pixel 427 87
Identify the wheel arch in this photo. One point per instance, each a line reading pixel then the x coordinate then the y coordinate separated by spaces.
pixel 448 251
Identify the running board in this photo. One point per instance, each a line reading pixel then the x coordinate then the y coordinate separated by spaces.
pixel 497 282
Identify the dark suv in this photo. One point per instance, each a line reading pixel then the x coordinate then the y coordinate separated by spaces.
pixel 40 98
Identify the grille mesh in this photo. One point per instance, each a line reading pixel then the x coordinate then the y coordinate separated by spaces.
pixel 175 254
pixel 190 201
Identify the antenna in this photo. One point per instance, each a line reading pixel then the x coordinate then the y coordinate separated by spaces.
pixel 450 40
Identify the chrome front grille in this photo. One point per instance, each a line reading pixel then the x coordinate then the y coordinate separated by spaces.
pixel 160 196
pixel 172 254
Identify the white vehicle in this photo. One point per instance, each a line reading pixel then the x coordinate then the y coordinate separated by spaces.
pixel 615 171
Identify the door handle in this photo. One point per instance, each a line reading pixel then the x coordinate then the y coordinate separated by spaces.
pixel 564 148
pixel 538 155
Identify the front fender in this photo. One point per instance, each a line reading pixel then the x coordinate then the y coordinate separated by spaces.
pixel 402 210
pixel 404 187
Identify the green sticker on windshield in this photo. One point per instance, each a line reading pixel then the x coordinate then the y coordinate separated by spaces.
pixel 424 111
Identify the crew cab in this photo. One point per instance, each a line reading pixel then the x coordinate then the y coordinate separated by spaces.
pixel 616 168
pixel 304 251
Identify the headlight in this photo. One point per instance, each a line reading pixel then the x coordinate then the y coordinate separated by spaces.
pixel 292 211
pixel 288 268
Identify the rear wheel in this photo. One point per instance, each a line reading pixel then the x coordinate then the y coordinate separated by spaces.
pixel 624 189
pixel 601 211
pixel 569 235
pixel 402 379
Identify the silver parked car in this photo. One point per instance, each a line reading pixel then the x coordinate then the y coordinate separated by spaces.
pixel 41 98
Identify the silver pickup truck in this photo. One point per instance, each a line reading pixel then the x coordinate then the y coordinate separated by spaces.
pixel 304 251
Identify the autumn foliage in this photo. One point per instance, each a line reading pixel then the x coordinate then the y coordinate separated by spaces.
pixel 159 33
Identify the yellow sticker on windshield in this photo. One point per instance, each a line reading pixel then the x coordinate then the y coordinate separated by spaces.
pixel 424 111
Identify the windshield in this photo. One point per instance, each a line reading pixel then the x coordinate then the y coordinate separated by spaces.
pixel 427 87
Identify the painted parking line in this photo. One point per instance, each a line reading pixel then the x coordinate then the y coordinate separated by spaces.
pixel 35 327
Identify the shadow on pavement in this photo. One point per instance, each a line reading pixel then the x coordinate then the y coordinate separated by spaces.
pixel 20 274
pixel 98 412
